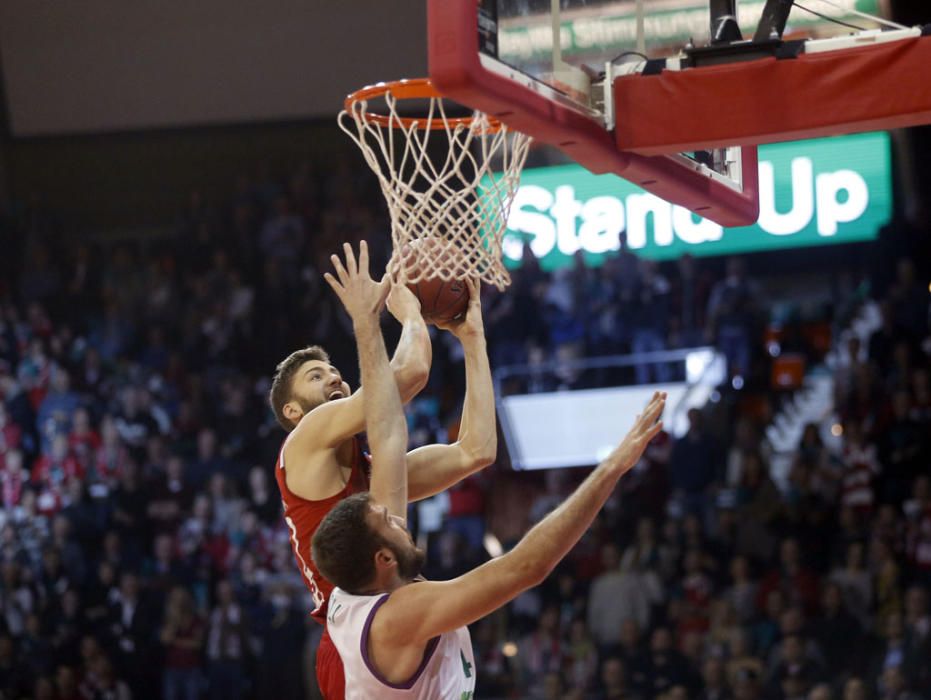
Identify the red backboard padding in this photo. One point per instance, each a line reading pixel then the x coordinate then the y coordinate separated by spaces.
pixel 866 88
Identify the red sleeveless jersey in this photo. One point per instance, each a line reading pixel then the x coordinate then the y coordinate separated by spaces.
pixel 303 517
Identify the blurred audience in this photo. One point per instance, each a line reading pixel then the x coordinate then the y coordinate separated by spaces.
pixel 142 549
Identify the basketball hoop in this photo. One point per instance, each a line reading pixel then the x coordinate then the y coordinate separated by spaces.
pixel 454 199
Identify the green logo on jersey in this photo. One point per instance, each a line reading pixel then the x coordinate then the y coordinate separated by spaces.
pixel 466 666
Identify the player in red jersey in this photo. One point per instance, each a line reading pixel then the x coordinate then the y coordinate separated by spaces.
pixel 321 461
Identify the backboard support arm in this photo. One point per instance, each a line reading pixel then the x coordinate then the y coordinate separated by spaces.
pixel 773 21
pixel 724 26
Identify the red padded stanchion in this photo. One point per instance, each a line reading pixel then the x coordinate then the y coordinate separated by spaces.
pixel 865 88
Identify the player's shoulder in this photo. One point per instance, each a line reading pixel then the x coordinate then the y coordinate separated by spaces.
pixel 344 607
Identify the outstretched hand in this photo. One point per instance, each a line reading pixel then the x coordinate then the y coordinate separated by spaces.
pixel 469 325
pixel 645 428
pixel 362 296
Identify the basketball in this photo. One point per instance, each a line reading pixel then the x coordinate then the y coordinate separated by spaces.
pixel 441 301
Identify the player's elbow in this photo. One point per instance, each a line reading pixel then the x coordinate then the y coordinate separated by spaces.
pixel 480 452
pixel 412 378
pixel 482 458
pixel 535 573
pixel 528 572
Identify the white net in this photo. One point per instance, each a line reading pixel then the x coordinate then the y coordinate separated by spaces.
pixel 454 194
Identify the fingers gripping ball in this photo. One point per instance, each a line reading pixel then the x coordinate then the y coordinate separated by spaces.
pixel 441 301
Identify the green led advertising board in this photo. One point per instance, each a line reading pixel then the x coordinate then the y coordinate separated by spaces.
pixel 817 192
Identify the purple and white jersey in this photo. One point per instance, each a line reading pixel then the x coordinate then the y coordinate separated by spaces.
pixel 446 672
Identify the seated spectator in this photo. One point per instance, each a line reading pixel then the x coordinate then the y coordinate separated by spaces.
pixel 887 583
pixel 694 594
pixel 101 592
pixel 723 624
pixel 56 411
pixel 104 681
pixel 51 473
pixel 795 673
pixel 643 553
pixel 918 635
pixel 110 458
pixel 615 596
pixel 265 504
pixel 901 449
pixel 170 496
pixel 859 468
pixel 35 649
pixel 894 652
pixel 66 627
pixel 208 461
pixel 837 632
pixel 742 594
pixel 856 582
pixel 69 550
pixel 742 661
pixel 883 339
pixel 797 583
pixel 228 632
pixel 553 686
pixel 766 628
pixel 665 666
pixel 693 466
pixel 164 569
pixel 134 422
pixel 53 579
pixel 632 653
pixel 731 316
pixel 855 689
pixel 650 319
pixel 894 685
pixel 181 636
pixel 746 441
pixel 66 683
pixel 917 511
pixel 83 440
pixel 613 681
pixel 129 626
pixel 11 434
pixel 714 680
pixel 792 624
pixel 760 506
pixel 581 654
pixel 225 505
pixel 14 477
pixel 498 674
pixel 542 651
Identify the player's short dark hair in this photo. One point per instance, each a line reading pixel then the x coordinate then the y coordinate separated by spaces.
pixel 344 545
pixel 280 392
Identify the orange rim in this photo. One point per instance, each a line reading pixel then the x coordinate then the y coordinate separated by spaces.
pixel 409 89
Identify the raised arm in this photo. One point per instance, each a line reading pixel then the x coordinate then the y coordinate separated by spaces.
pixel 446 605
pixel 384 415
pixel 413 354
pixel 433 468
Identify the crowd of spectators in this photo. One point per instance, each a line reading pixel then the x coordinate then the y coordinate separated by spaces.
pixel 704 579
pixel 142 549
